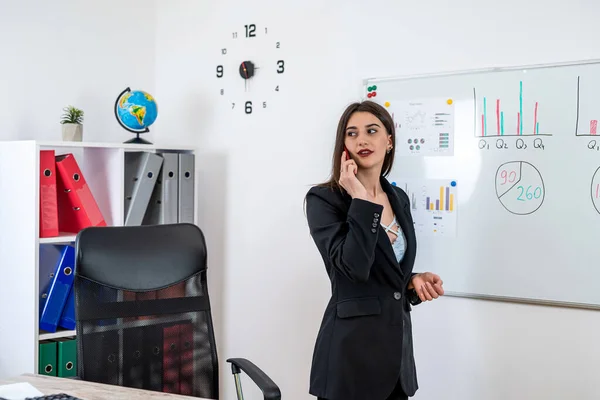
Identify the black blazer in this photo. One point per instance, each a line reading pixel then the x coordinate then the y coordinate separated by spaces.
pixel 364 345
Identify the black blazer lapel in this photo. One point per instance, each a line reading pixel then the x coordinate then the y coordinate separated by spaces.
pixel 385 246
pixel 401 210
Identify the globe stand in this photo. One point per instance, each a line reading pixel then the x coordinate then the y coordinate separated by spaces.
pixel 137 140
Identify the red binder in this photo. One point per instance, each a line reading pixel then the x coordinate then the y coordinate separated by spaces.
pixel 186 360
pixel 171 359
pixel 77 208
pixel 48 199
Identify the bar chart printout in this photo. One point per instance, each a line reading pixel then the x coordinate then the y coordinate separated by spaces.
pixel 433 205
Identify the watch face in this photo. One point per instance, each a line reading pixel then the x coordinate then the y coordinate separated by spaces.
pixel 250 69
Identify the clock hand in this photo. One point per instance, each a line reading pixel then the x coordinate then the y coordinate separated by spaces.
pixel 245 73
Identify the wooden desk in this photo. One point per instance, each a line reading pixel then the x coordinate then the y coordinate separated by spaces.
pixel 90 390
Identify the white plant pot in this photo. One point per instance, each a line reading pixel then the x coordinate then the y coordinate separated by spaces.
pixel 72 132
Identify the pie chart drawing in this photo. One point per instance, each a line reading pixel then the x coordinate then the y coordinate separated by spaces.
pixel 596 190
pixel 520 187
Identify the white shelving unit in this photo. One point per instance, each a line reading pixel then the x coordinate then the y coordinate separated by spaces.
pixel 102 165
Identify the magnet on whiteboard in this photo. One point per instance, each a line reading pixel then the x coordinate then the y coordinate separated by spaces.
pixel 453 183
pixel 449 101
pixel 387 104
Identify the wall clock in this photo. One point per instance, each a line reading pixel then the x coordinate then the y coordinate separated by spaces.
pixel 250 68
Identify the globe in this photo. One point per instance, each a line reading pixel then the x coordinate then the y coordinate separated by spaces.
pixel 136 111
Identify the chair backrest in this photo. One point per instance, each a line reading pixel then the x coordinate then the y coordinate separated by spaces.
pixel 143 311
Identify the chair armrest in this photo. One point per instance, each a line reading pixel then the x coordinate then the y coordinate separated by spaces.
pixel 265 384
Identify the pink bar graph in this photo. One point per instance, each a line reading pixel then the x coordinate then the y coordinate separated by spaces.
pixel 498 116
pixel 593 126
pixel 528 110
pixel 535 118
pixel 482 125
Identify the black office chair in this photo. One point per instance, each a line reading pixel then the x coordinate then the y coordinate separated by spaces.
pixel 143 312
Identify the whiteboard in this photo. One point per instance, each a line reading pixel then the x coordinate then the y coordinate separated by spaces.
pixel 502 167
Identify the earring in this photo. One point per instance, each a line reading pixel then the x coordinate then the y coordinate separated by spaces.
pixel 388 150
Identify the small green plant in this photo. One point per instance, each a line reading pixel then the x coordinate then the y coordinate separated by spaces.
pixel 72 115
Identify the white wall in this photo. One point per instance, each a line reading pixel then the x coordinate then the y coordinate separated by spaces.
pixel 268 284
pixel 274 285
pixel 62 52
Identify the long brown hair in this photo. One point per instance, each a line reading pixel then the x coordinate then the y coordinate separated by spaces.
pixel 380 113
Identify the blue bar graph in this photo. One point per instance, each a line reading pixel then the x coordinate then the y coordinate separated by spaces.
pixel 484 116
pixel 515 126
pixel 521 107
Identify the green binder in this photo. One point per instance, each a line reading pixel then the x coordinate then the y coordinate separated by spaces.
pixel 47 358
pixel 66 364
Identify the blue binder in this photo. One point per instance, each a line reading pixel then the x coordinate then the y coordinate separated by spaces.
pixel 59 290
pixel 49 254
pixel 67 319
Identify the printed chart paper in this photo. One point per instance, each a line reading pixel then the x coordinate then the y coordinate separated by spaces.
pixel 423 127
pixel 433 205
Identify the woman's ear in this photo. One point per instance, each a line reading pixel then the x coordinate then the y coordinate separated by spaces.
pixel 389 144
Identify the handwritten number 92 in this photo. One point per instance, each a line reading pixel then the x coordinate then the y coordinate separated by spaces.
pixel 508 177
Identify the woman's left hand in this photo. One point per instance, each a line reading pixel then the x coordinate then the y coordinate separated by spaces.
pixel 427 285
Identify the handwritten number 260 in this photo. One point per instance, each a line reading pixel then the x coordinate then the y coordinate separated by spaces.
pixel 528 194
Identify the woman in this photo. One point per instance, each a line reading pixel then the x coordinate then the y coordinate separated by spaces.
pixel 363 228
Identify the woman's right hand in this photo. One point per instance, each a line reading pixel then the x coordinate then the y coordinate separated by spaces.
pixel 348 179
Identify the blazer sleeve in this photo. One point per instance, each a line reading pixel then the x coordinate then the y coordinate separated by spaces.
pixel 348 241
pixel 413 297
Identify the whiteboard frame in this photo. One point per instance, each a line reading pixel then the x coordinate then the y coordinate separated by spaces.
pixel 366 81
pixel 482 296
pixel 522 300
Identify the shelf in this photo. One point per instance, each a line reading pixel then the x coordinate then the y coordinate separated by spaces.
pixel 56 335
pixel 66 238
pixel 108 145
pixel 103 164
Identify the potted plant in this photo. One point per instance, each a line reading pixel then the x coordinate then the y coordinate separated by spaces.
pixel 72 120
